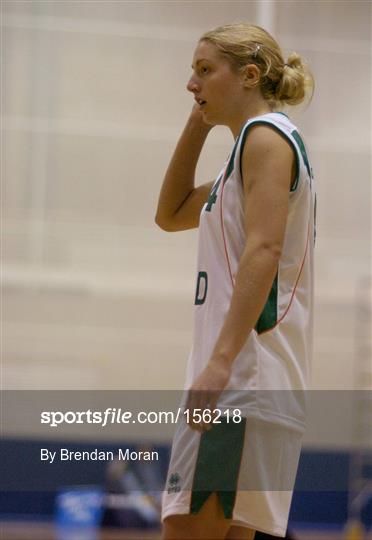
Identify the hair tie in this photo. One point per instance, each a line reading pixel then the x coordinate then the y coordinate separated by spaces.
pixel 258 47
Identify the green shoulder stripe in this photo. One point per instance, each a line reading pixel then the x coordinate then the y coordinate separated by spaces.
pixel 299 141
pixel 230 165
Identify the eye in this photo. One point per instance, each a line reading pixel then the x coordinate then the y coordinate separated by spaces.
pixel 204 70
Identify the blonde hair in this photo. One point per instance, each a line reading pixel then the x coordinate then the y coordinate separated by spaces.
pixel 281 82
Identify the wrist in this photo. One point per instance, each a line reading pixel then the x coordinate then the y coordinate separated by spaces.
pixel 197 124
pixel 221 359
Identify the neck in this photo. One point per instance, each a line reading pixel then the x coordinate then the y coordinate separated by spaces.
pixel 260 106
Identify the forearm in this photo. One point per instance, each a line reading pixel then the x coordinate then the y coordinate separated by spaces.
pixel 179 180
pixel 256 272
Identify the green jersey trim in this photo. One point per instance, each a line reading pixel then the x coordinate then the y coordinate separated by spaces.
pixel 299 141
pixel 281 112
pixel 230 165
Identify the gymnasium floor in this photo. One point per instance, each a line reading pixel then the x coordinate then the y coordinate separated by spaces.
pixel 45 531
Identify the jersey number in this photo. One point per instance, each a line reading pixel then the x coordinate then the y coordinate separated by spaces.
pixel 201 288
pixel 213 195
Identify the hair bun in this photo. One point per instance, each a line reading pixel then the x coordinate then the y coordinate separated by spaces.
pixel 294 61
pixel 291 88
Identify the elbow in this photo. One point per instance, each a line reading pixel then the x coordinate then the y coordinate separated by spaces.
pixel 163 224
pixel 160 222
pixel 268 249
pixel 274 251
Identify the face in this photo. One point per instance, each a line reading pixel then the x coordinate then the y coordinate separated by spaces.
pixel 217 87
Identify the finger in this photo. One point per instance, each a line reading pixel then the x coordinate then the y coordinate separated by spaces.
pixel 212 410
pixel 206 412
pixel 201 404
pixel 193 405
pixel 190 407
pixel 214 405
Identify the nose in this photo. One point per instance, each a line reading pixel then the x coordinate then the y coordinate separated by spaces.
pixel 192 85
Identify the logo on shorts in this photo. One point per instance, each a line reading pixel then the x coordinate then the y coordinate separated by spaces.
pixel 173 483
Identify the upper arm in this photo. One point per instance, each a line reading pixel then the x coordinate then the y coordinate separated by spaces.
pixel 188 214
pixel 268 164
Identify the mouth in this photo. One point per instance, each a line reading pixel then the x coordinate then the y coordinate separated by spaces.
pixel 201 102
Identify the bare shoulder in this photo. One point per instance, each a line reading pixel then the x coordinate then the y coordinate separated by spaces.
pixel 267 171
pixel 264 138
pixel 267 158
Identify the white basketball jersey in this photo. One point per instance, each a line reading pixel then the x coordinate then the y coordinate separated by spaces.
pixel 271 372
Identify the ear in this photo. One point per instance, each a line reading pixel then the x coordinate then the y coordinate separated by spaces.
pixel 251 76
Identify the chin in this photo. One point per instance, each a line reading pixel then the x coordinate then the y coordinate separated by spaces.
pixel 208 119
pixel 214 120
pixel 209 122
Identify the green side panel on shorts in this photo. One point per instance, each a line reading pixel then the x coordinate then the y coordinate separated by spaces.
pixel 269 315
pixel 218 464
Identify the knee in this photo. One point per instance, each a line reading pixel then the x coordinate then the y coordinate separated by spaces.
pixel 189 527
pixel 175 527
pixel 240 533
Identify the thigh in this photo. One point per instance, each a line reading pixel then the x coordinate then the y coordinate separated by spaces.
pixel 240 533
pixel 209 523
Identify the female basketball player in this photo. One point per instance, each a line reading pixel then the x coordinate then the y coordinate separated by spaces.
pixel 232 470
